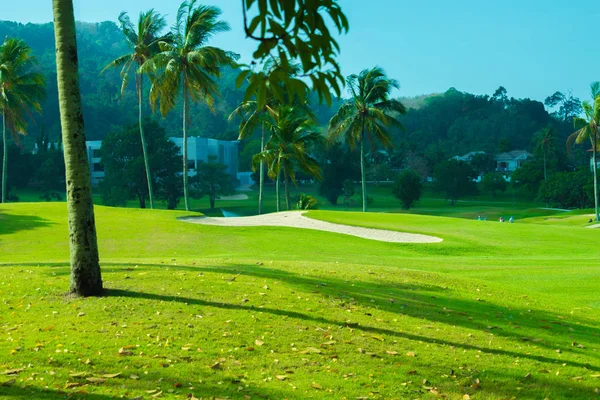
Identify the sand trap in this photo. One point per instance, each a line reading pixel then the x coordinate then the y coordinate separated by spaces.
pixel 295 219
pixel 241 196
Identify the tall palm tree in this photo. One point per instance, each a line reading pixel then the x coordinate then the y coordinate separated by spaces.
pixel 292 135
pixel 21 92
pixel 588 128
pixel 187 64
pixel 250 118
pixel 86 279
pixel 367 115
pixel 144 42
pixel 545 143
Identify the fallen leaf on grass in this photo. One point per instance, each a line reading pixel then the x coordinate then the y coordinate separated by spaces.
pixel 124 352
pixel 391 352
pixel 281 377
pixel 134 377
pixel 110 376
pixel 13 371
pixel 78 374
pixel 317 386
pixel 311 350
pixel 259 342
pixel 411 354
pixel 154 396
pixel 71 385
pixel 377 337
pixel 95 380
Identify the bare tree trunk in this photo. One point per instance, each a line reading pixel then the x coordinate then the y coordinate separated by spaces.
pixel 140 88
pixel 277 192
pixel 262 173
pixel 185 149
pixel 86 278
pixel 4 157
pixel 362 169
pixel 287 188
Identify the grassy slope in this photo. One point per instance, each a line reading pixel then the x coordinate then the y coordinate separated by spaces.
pixel 472 315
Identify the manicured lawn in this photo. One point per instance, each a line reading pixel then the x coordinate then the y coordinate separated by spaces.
pixel 495 311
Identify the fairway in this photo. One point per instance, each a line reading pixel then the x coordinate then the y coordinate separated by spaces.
pixel 494 311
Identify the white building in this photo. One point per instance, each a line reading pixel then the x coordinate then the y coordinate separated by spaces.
pixel 204 149
pixel 511 160
pixel 95 161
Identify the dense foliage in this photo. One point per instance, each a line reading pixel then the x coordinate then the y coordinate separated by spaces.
pixel 408 188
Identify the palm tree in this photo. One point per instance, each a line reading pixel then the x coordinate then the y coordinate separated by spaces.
pixel 545 143
pixel 86 279
pixel 144 43
pixel 187 64
pixel 588 128
pixel 292 135
pixel 367 115
pixel 21 92
pixel 250 118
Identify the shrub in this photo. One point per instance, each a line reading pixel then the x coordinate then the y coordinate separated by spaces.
pixel 407 188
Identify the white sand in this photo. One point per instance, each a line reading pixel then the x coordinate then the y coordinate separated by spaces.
pixel 295 219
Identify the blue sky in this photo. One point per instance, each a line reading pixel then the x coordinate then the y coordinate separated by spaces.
pixel 531 47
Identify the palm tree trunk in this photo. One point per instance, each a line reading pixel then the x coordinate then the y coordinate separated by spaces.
pixel 595 169
pixel 287 188
pixel 86 278
pixel 362 169
pixel 4 157
pixel 277 192
pixel 262 173
pixel 140 87
pixel 185 149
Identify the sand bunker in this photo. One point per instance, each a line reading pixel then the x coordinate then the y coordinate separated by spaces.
pixel 295 219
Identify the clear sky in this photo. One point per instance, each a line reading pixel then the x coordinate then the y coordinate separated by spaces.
pixel 531 47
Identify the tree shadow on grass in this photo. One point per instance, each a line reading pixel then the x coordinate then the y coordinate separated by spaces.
pixel 330 322
pixel 165 382
pixel 428 302
pixel 12 223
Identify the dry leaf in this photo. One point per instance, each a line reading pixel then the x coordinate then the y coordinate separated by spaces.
pixel 316 386
pixel 110 376
pixel 411 354
pixel 95 380
pixel 124 352
pixel 134 377
pixel 13 371
pixel 377 337
pixel 311 350
pixel 259 342
pixel 154 396
pixel 70 385
pixel 281 377
pixel 78 374
pixel 391 352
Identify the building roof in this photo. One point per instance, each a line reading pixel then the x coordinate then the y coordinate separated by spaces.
pixel 513 155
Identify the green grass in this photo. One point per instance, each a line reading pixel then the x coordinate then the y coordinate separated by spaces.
pixel 279 313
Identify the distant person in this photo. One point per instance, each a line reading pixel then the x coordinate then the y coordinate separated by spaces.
pixel 479 218
pixel 590 221
pixel 511 220
pixel 501 219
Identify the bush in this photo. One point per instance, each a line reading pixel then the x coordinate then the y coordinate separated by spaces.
pixel 569 189
pixel 407 188
pixel 494 182
pixel 306 202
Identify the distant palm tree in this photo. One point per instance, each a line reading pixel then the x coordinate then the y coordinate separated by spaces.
pixel 545 143
pixel 367 115
pixel 588 128
pixel 21 92
pixel 187 64
pixel 86 277
pixel 252 117
pixel 292 135
pixel 144 43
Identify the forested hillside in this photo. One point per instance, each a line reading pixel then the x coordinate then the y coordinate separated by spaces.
pixel 436 126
